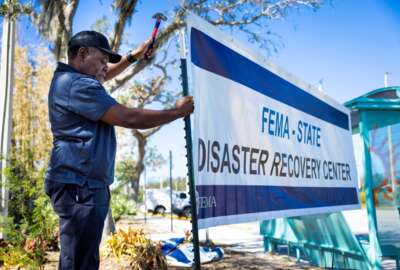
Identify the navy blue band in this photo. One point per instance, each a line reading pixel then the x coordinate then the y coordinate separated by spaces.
pixel 240 199
pixel 209 54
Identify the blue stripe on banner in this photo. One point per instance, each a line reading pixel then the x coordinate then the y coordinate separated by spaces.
pixel 209 54
pixel 240 199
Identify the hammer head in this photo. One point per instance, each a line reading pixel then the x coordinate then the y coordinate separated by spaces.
pixel 159 16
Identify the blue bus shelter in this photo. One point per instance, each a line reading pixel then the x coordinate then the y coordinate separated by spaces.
pixel 327 240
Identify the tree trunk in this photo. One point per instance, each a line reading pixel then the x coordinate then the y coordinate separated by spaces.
pixel 134 188
pixel 142 141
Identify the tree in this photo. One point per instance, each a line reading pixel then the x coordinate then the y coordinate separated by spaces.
pixel 12 8
pixel 126 171
pixel 31 137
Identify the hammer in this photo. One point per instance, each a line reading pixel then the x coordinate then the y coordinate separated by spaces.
pixel 159 17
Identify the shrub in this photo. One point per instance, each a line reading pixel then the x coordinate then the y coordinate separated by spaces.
pixel 121 206
pixel 31 227
pixel 134 247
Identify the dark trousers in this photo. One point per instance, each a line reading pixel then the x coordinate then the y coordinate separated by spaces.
pixel 82 212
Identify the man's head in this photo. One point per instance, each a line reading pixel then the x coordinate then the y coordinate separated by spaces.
pixel 89 53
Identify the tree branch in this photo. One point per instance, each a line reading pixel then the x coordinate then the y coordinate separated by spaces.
pixel 55 23
pixel 162 38
pixel 145 134
pixel 125 11
pixel 239 14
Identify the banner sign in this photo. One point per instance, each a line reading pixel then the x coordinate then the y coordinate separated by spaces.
pixel 265 144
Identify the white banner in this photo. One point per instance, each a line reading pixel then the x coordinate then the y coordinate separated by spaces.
pixel 263 146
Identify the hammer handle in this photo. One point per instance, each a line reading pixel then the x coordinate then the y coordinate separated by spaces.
pixel 155 29
pixel 153 38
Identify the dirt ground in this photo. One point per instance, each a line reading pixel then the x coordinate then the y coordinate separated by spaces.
pixel 234 260
pixel 231 260
pixel 242 260
pixel 237 255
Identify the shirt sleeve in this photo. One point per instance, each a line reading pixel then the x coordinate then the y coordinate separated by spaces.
pixel 89 99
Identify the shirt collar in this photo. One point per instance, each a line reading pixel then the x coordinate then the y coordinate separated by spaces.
pixel 62 67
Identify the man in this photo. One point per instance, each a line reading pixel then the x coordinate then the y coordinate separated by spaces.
pixel 82 117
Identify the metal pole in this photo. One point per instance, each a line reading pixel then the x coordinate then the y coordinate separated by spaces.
pixel 391 157
pixel 386 79
pixel 375 252
pixel 6 87
pixel 170 186
pixel 392 163
pixel 189 155
pixel 145 197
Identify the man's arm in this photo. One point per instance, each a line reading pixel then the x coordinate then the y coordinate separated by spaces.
pixel 119 115
pixel 115 69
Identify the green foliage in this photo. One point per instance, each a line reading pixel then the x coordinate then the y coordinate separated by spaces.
pixel 140 198
pixel 121 205
pixel 31 225
pixel 178 184
pixel 17 257
pixel 125 171
pixel 13 8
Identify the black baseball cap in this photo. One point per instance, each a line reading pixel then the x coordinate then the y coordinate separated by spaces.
pixel 94 39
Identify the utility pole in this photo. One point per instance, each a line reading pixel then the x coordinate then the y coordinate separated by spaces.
pixel 170 186
pixel 9 10
pixel 145 196
pixel 6 86
pixel 386 79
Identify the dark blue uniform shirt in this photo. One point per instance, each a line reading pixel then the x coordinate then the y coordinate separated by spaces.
pixel 83 146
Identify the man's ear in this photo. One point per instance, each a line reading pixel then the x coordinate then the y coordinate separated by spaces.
pixel 83 52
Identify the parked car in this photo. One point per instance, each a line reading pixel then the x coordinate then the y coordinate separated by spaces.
pixel 158 201
pixel 181 204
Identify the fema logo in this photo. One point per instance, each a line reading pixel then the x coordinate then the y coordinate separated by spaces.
pixel 205 202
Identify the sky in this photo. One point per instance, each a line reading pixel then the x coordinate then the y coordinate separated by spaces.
pixel 347 44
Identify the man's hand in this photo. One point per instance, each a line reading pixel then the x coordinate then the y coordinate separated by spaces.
pixel 139 52
pixel 185 105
